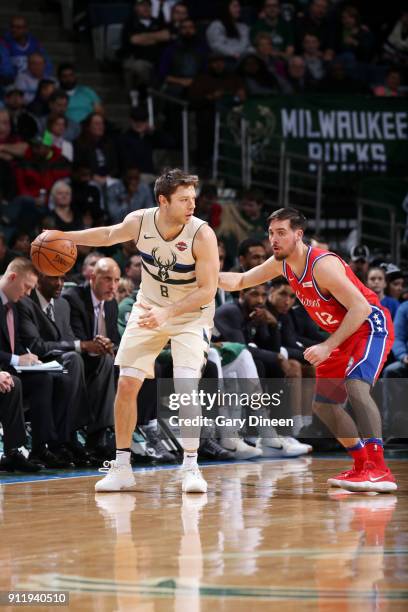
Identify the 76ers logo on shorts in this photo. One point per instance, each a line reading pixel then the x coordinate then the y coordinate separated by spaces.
pixel 181 246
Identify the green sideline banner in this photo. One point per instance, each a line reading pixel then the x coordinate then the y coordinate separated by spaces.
pixel 351 134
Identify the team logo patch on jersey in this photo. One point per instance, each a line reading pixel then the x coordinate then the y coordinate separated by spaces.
pixel 307 284
pixel 164 265
pixel 181 246
pixel 350 363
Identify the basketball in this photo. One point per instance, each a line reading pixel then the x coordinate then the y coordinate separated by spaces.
pixel 52 254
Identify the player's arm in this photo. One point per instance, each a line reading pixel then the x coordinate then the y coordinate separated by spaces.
pixel 235 281
pixel 207 264
pixel 330 275
pixel 129 229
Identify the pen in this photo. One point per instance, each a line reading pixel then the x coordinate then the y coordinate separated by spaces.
pixel 28 350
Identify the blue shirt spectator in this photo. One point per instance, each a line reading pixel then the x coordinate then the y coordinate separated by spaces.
pixel 124 197
pixel 7 72
pixel 400 348
pixel 391 303
pixel 21 44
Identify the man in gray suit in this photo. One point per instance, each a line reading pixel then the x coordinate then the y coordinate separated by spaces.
pixel 46 330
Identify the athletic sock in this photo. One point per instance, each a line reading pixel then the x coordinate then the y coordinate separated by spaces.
pixel 123 456
pixel 375 452
pixel 190 459
pixel 359 454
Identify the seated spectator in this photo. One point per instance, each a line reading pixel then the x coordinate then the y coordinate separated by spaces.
pixel 94 314
pixel 207 207
pixel 264 50
pixel 395 281
pixel 251 253
pixel 127 196
pixel 142 40
pixel 39 106
pixel 278 29
pixel 21 44
pixel 86 195
pixel 297 78
pixel 58 105
pixel 44 321
pixel 23 124
pixel 29 79
pixel 89 264
pixel 6 254
pixel 50 395
pixel 12 421
pixel 259 81
pixel 337 82
pixel 56 127
pixel 247 219
pixel 376 282
pixel 182 60
pixel 94 148
pixel 133 270
pixel 391 87
pixel 354 42
pixel 396 45
pixel 137 144
pixel 228 36
pixel 11 146
pixel 41 166
pixel 124 290
pixel 316 21
pixel 359 261
pixel 214 87
pixel 313 58
pixel 20 243
pixel 126 251
pixel 82 100
pixel 63 216
pixel 178 13
pixel 393 393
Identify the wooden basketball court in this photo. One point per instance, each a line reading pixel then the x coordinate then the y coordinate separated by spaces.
pixel 267 536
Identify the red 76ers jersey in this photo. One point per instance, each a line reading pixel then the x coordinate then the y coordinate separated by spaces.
pixel 325 310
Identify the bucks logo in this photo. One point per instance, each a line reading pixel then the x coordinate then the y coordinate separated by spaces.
pixel 164 265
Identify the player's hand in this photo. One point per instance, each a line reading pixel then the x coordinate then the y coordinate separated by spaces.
pixel 317 353
pixel 153 317
pixel 28 359
pixel 6 382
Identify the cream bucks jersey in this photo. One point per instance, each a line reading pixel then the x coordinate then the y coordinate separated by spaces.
pixel 168 266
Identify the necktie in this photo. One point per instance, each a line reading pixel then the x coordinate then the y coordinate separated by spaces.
pixel 10 324
pixel 101 328
pixel 50 312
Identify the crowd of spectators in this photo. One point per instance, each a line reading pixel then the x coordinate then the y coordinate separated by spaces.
pixel 64 165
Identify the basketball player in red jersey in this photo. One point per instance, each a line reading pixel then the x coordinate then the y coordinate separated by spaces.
pixel 350 360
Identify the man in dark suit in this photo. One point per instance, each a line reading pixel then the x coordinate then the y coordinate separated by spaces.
pixel 44 324
pixel 47 392
pixel 12 420
pixel 94 321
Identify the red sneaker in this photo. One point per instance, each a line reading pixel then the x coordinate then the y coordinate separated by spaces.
pixel 336 481
pixel 370 478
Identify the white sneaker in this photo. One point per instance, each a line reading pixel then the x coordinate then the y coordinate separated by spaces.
pixel 279 447
pixel 306 448
pixel 193 482
pixel 240 449
pixel 118 477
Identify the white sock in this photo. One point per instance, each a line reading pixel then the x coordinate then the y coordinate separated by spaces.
pixel 122 457
pixel 190 459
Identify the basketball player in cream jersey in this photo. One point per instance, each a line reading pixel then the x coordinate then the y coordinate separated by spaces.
pixel 175 302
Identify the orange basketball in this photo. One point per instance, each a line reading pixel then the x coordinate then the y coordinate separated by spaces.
pixel 52 254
